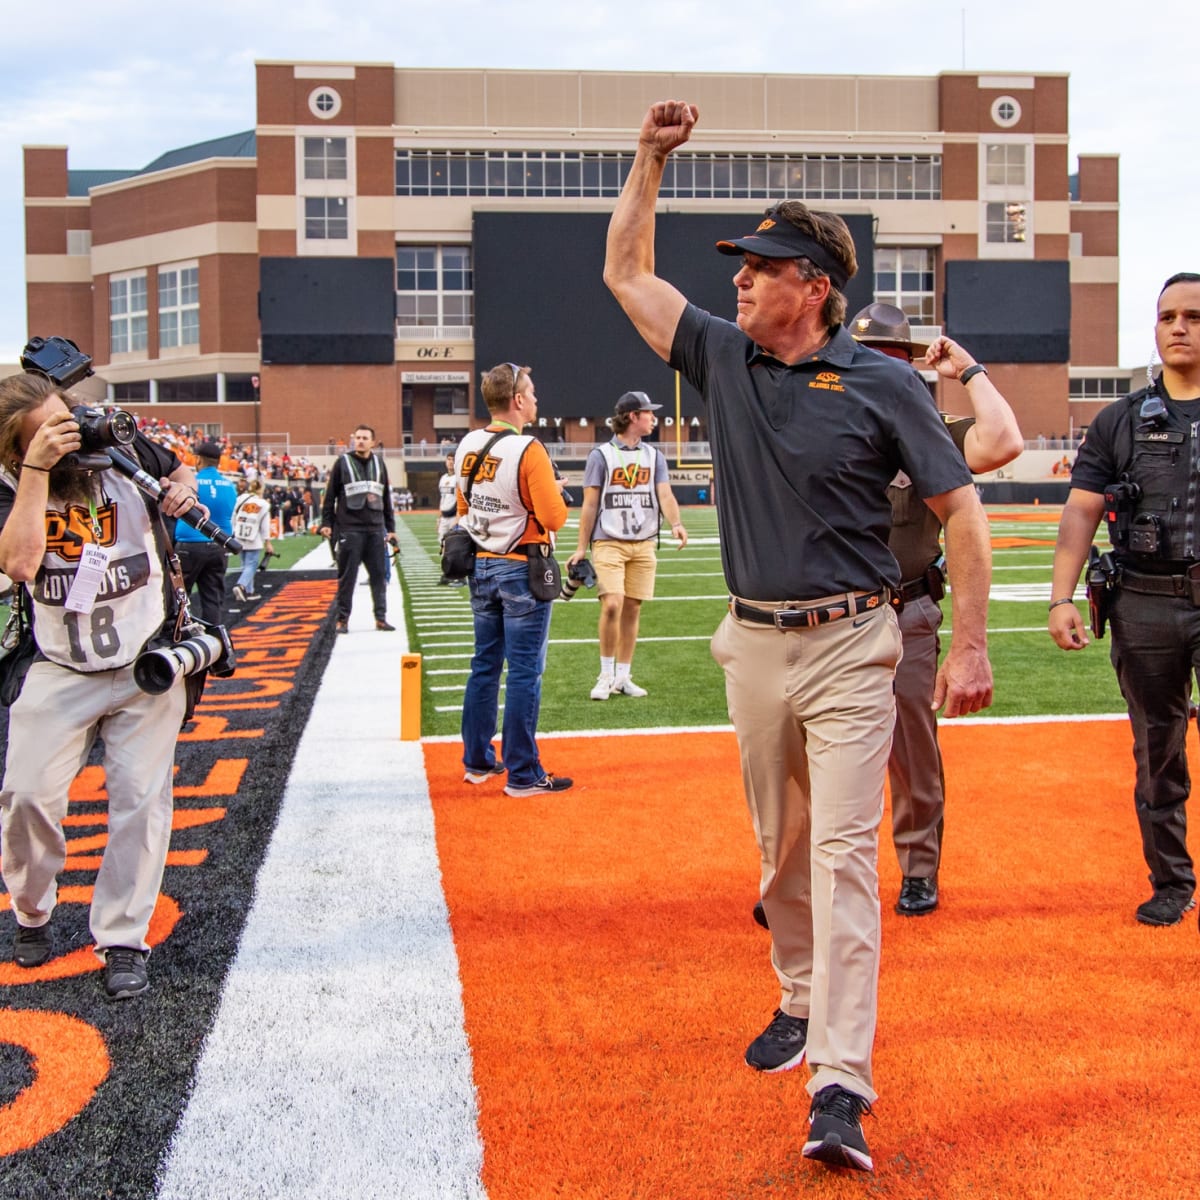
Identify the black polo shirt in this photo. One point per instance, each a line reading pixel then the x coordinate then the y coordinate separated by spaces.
pixel 803 455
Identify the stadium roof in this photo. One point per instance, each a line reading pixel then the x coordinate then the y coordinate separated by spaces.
pixel 232 145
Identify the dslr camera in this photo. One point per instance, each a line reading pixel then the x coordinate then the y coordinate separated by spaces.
pixel 64 364
pixel 208 649
pixel 58 358
pixel 580 574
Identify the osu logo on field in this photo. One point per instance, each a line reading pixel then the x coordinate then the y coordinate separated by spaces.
pixel 829 381
pixel 67 533
pixel 486 473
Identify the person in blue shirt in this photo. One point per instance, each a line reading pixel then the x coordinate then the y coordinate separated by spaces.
pixel 203 561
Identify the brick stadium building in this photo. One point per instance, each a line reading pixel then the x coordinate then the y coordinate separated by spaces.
pixel 383 234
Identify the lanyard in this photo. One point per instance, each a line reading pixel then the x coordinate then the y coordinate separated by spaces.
pixel 630 471
pixel 96 531
pixel 507 425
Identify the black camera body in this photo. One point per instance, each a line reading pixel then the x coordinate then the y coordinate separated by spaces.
pixel 58 358
pixel 579 574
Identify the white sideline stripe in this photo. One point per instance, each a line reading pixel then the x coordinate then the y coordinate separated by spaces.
pixel 338 1067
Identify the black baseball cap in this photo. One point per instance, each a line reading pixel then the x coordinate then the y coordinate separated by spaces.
pixel 633 402
pixel 207 449
pixel 777 237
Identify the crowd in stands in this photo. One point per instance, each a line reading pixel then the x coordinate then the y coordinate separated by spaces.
pixel 291 485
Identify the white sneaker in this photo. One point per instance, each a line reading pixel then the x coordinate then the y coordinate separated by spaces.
pixel 626 687
pixel 239 593
pixel 604 687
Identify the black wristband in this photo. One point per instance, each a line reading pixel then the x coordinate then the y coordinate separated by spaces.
pixel 1065 600
pixel 970 373
pixel 31 467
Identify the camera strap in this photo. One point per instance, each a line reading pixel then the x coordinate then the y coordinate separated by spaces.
pixel 166 548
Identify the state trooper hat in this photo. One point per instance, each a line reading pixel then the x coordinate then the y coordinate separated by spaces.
pixel 884 325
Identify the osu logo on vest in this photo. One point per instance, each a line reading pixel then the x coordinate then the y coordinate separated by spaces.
pixel 66 533
pixel 630 478
pixel 486 473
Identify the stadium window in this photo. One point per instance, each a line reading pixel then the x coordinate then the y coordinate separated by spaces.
pixel 701 176
pixel 325 218
pixel 1005 222
pixel 904 276
pixel 128 315
pixel 178 306
pixel 1006 164
pixel 324 158
pixel 435 287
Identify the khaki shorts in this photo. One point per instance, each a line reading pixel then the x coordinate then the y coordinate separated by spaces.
pixel 625 568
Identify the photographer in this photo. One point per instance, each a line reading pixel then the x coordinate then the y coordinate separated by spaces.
pixel 251 527
pixel 84 545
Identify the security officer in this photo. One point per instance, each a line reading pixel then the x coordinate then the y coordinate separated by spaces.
pixel 988 440
pixel 1144 452
pixel 356 505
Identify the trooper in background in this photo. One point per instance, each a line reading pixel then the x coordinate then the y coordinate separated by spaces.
pixel 203 561
pixel 1143 452
pixel 987 440
pixel 58 528
pixel 356 506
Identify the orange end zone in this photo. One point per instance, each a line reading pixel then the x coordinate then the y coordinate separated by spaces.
pixel 612 978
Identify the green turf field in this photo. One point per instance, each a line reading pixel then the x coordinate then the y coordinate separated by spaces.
pixel 1033 677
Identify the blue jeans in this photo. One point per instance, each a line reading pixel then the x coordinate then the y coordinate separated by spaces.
pixel 509 624
pixel 250 561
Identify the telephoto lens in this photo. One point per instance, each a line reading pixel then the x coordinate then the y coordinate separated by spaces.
pixel 155 670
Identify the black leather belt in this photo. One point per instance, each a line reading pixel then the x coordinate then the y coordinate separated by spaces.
pixel 847 605
pixel 913 589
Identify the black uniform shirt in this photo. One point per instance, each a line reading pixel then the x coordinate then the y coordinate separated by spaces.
pixel 804 453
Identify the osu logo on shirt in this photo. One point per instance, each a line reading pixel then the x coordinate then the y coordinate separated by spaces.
pixel 630 477
pixel 829 381
pixel 66 533
pixel 486 473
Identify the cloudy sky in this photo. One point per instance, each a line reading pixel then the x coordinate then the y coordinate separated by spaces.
pixel 121 82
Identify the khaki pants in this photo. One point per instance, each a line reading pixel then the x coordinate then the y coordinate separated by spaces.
pixel 813 710
pixel 51 729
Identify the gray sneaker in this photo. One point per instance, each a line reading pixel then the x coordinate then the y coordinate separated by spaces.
pixel 125 972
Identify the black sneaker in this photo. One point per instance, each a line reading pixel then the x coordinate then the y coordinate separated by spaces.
pixel 125 972
pixel 760 915
pixel 780 1046
pixel 1165 908
pixel 31 946
pixel 342 627
pixel 835 1135
pixel 544 786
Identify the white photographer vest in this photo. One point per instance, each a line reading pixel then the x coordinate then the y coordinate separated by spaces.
pixel 495 517
pixel 628 499
pixel 129 608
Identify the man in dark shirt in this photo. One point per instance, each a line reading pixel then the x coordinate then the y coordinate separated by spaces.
pixel 807 430
pixel 357 506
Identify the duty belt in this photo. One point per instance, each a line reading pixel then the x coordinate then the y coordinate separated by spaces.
pixel 913 589
pixel 818 612
pixel 1156 585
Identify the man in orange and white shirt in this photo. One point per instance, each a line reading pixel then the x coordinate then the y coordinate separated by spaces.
pixel 514 503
